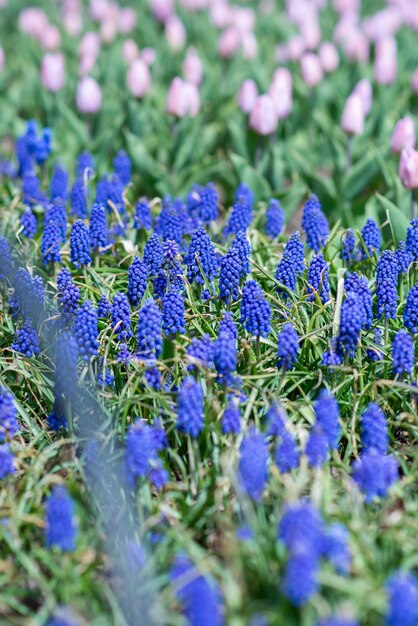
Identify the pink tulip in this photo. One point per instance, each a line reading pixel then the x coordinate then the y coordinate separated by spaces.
pixel 282 53
pixel 382 24
pixel 53 71
pixel 3 3
pixel 130 51
pixel 87 63
pixel 414 81
pixel 328 56
pixel 51 38
pixel 73 23
pixel 249 46
pixel 162 9
pixel 364 90
pixel 127 20
pixel 353 116
pixel 33 22
pixel 1 59
pixel 192 99
pixel 220 14
pixel 183 99
pixel 89 45
pixel 408 169
pixel 296 48
pixel 403 136
pixel 385 64
pixel 175 33
pixel 108 30
pixel 138 79
pixel 98 9
pixel 356 47
pixel 89 95
pixel 243 18
pixel 148 56
pixel 263 118
pixel 192 67
pixel 311 69
pixel 281 92
pixel 311 33
pixel 229 42
pixel 247 96
pixel 346 6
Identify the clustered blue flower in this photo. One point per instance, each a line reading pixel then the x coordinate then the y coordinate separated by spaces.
pixel 255 310
pixel 348 253
pixel 98 227
pixel 123 167
pixel 190 407
pixel 51 240
pixel 315 224
pixel 153 254
pixel 86 330
pixel 225 356
pixel 121 316
pixel 78 199
pixel 403 353
pixel 68 294
pixel 402 590
pixel 230 274
pixel 7 466
pixel 351 322
pixel 143 217
pixel 374 429
pixel 201 259
pixel 80 244
pixel 318 278
pixel 173 313
pixel 412 239
pixel 59 183
pixel 403 257
pixel 104 308
pixel 274 219
pixel 26 340
pixel 231 419
pixel 29 224
pixel 387 284
pixel 372 239
pixel 60 520
pixel 200 352
pixel 242 211
pixel 137 281
pixel 358 284
pixel 8 421
pixel 295 251
pixel 288 347
pixel 410 314
pixel 149 330
pixel 253 464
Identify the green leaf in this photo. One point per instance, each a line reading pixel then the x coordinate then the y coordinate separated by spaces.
pixel 398 220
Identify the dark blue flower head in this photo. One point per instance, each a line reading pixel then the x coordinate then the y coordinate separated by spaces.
pixel 332 356
pixel 200 352
pixel 61 525
pixel 78 198
pixel 173 313
pixel 43 146
pixel 121 316
pixel 241 244
pixel 26 340
pixel 231 419
pixel 143 217
pixel 59 183
pixel 104 308
pixel 68 294
pixel 410 314
pixel 315 224
pixel 227 326
pixel 201 259
pixel 274 219
pixel 403 353
pixel 86 330
pixel 403 257
pixel 253 464
pixel 85 164
pixel 6 262
pixel 6 461
pixel 288 347
pixel 65 366
pixel 286 275
pixel 123 167
pixel 190 407
pixel 374 429
pixel 301 528
pixel 373 353
pixel 153 254
pixel 387 268
pixel 327 417
pixel 317 447
pixel 230 273
pixel 336 548
pixel 375 473
pixel 31 189
pixel 23 156
pixel 276 419
pixel 51 242
pixel 240 218
pixel 294 251
pixel 29 224
pixel 149 330
pixel 199 595
pixel 137 281
pixel 225 357
pixel 98 227
pixel 80 244
pixel 207 205
pixel 287 455
pixel 402 590
pixel 255 310
pixel 141 450
pixel 348 247
pixel 171 222
pixel 372 239
pixel 412 240
pixel 301 577
pixel 56 211
pixel 351 322
pixel 318 278
pixel 359 285
pixel 8 422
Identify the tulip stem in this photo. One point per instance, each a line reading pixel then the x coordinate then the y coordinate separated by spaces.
pixel 349 151
pixel 413 205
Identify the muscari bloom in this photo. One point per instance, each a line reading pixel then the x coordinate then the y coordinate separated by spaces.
pixel 86 330
pixel 104 308
pixel 327 417
pixel 59 183
pixel 287 455
pixel 358 284
pixel 31 189
pixel 80 244
pixel 78 199
pixel 243 247
pixel 386 284
pixel 171 222
pixel 173 313
pixel 375 473
pixel 410 314
pixel 242 211
pixel 286 275
pixel 85 164
pixel 8 422
pixel 288 347
pixel 201 259
pixel 137 281
pixel 403 353
pixel 373 353
pixel 123 167
pixel 56 211
pixel 253 464
pixel 51 240
pixel 317 447
pixel 231 419
pixel 255 310
pixel 199 595
pixel 98 227
pixel 149 330
pixel 190 407
pixel 230 275
pixel 348 246
pixel 143 217
pixel 200 352
pixel 294 251
pixel 6 461
pixel 315 224
pixel 26 340
pixel 153 254
pixel 336 548
pixel 143 442
pixel 374 429
pixel 403 257
pixel 61 525
pixel 29 224
pixel 372 239
pixel 351 322
pixel 402 590
pixel 225 357
pixel 412 239
pixel 274 219
pixel 68 294
pixel 121 316
pixel 318 278
pixel 6 262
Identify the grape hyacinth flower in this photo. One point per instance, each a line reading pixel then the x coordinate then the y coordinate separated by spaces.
pixel 225 357
pixel 190 407
pixel 153 254
pixel 173 313
pixel 403 257
pixel 68 294
pixel 274 219
pixel 228 326
pixel 286 275
pixel 288 347
pixel 351 322
pixel 78 199
pixel 372 239
pixel 80 244
pixel 31 189
pixel 327 417
pixel 230 275
pixel 200 353
pixel 6 262
pixel 137 281
pixel 403 353
pixel 375 473
pixel 410 314
pixel 59 183
pixel 61 525
pixel 123 167
pixel 56 212
pixel 253 464
pixel 348 247
pixel 149 330
pixel 6 461
pixel 301 577
pixel 86 330
pixel 241 216
pixel 255 310
pixel 317 447
pixel 206 205
pixel 98 227
pixel 359 285
pixel 402 592
pixel 287 455
pixel 243 247
pixel 26 340
pixel 143 442
pixel 336 548
pixel 50 245
pixel 201 259
pixel 374 429
pixel 295 252
pixel 29 224
pixel 412 239
pixel 387 284
pixel 121 317
pixel 318 278
pixel 104 308
pixel 85 164
pixel 143 217
pixel 231 419
pixel 373 353
pixel 8 422
pixel 315 224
